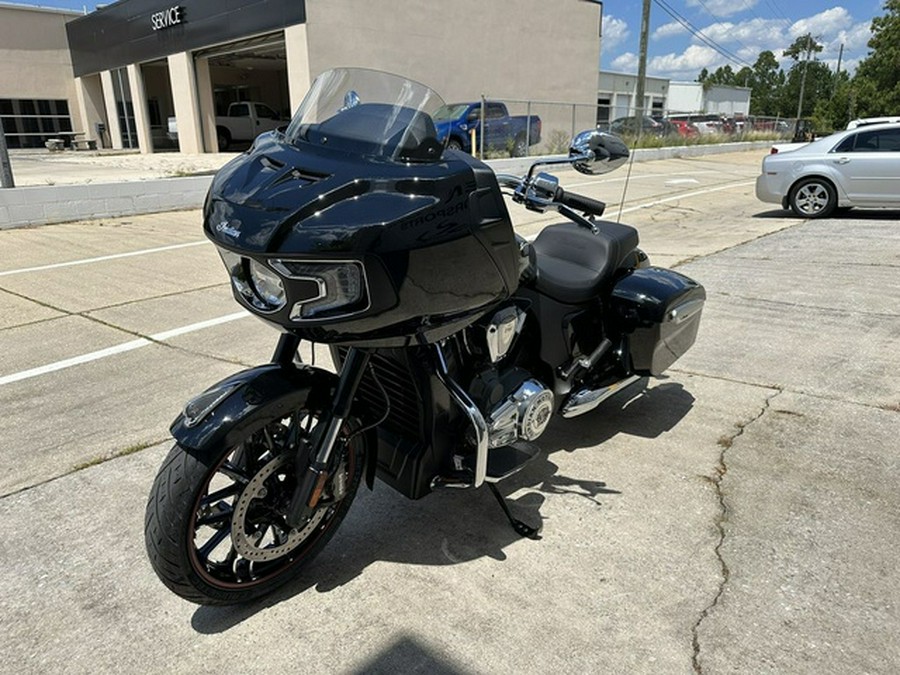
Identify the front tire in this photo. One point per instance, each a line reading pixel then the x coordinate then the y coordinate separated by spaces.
pixel 520 148
pixel 223 139
pixel 215 528
pixel 813 198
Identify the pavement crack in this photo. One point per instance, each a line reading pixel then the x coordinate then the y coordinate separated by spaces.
pixel 782 388
pixel 839 311
pixel 720 470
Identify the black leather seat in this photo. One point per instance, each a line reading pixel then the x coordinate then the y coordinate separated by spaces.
pixel 573 263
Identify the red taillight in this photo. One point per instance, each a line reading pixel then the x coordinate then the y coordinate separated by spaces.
pixel 773 151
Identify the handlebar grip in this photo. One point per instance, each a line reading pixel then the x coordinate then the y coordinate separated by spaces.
pixel 581 203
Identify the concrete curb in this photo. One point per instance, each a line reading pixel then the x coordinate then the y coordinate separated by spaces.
pixel 44 205
pixel 39 205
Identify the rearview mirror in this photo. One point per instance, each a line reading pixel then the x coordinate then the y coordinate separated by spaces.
pixel 596 152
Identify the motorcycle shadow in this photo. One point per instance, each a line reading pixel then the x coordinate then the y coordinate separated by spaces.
pixel 455 526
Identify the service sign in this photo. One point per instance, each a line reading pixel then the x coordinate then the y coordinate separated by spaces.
pixel 167 18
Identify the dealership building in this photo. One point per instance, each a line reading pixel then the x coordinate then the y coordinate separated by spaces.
pixel 112 77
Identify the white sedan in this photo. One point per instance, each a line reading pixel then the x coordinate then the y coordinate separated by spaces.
pixel 856 167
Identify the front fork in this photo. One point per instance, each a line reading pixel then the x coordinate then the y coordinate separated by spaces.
pixel 312 462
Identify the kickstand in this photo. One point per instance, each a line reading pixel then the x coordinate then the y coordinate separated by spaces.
pixel 521 528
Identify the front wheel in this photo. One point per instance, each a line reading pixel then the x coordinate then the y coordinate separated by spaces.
pixel 520 148
pixel 215 526
pixel 813 198
pixel 223 139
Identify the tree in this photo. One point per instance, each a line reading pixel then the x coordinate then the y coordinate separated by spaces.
pixel 805 46
pixel 834 111
pixel 767 81
pixel 877 80
pixel 809 82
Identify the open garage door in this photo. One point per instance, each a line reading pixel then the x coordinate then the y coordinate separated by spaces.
pixel 252 72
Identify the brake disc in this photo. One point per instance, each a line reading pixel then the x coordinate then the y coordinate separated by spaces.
pixel 260 543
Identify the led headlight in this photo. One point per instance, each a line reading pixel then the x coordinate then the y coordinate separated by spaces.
pixel 329 287
pixel 256 283
pixel 267 285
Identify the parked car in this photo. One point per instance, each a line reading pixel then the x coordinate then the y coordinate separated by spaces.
pixel 684 128
pixel 454 123
pixel 628 126
pixel 705 123
pixel 865 121
pixel 855 167
pixel 243 121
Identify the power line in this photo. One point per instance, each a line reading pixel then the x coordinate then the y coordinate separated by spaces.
pixel 696 32
pixel 718 21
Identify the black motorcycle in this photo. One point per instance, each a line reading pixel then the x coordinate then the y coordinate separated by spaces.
pixel 455 341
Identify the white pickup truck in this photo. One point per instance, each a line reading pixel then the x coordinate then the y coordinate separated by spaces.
pixel 244 121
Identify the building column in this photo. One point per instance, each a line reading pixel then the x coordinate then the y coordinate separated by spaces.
pixel 112 113
pixel 187 105
pixel 139 104
pixel 296 49
pixel 89 98
pixel 207 105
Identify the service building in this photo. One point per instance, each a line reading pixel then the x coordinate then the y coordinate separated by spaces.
pixel 116 74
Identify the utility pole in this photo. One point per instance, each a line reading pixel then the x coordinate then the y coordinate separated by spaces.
pixel 840 58
pixel 642 67
pixel 6 177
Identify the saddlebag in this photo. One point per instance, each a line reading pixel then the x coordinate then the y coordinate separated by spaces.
pixel 659 310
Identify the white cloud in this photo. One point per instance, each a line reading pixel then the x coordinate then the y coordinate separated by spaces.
pixel 746 33
pixel 625 63
pixel 748 38
pixel 614 31
pixel 824 24
pixel 686 65
pixel 720 8
pixel 855 38
pixel 668 30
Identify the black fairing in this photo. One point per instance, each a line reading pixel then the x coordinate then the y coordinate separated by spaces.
pixel 435 238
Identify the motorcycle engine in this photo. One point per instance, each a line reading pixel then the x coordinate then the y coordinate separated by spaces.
pixel 516 406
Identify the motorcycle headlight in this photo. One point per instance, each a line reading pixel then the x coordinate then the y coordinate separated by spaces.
pixel 329 286
pixel 258 285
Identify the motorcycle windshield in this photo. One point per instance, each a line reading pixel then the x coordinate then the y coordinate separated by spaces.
pixel 369 113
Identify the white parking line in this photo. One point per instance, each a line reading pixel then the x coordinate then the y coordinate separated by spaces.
pixel 673 198
pixel 683 195
pixel 115 256
pixel 622 179
pixel 119 349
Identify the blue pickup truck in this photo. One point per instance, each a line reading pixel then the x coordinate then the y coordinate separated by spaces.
pixel 455 122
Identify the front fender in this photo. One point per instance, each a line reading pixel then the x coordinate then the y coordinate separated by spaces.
pixel 247 401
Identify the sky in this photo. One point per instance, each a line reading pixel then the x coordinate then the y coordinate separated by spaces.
pixel 725 32
pixel 731 32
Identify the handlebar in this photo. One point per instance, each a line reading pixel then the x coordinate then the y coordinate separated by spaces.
pixel 541 192
pixel 580 203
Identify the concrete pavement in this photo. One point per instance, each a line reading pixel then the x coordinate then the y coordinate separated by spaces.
pixel 737 516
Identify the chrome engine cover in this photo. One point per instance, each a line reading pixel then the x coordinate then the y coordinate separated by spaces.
pixel 523 415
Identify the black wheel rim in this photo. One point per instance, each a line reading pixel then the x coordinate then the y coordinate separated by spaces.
pixel 240 540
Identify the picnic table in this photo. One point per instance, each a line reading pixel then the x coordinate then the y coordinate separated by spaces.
pixel 69 139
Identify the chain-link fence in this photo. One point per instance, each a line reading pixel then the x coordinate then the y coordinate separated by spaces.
pixel 547 127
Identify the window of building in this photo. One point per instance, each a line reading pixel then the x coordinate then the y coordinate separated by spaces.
pixel 124 108
pixel 28 123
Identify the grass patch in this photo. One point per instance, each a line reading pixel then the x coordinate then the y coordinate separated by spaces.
pixel 124 452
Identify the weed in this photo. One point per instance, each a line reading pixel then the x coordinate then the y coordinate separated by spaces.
pixel 130 450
